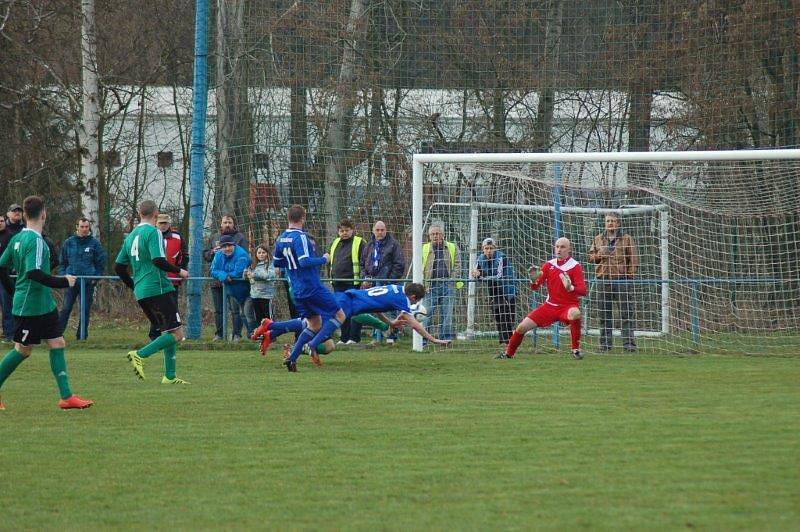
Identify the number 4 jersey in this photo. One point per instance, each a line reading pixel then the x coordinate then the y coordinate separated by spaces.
pixel 140 247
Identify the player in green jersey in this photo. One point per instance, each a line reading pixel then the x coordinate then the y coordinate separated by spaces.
pixel 143 251
pixel 34 309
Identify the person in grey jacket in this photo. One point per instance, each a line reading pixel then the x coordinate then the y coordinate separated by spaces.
pixel 227 226
pixel 262 286
pixel 81 254
pixel 381 261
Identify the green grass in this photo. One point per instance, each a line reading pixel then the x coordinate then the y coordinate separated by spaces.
pixel 394 440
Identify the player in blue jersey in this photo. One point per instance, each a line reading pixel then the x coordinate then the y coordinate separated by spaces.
pixel 354 304
pixel 294 253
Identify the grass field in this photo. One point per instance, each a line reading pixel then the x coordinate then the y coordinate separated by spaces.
pixel 394 440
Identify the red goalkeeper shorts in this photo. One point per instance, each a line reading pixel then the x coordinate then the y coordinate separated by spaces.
pixel 548 314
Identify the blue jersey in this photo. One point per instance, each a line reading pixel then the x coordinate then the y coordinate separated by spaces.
pixel 376 299
pixel 294 253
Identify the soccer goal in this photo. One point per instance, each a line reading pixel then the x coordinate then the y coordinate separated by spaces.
pixel 712 246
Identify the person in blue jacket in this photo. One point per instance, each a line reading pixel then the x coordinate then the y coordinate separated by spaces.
pixel 494 268
pixel 81 254
pixel 228 268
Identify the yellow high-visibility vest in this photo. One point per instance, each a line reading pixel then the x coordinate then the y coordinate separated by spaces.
pixel 451 247
pixel 353 255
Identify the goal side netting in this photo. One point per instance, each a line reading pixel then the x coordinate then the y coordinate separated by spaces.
pixel 714 238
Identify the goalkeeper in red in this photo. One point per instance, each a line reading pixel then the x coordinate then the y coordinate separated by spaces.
pixel 565 284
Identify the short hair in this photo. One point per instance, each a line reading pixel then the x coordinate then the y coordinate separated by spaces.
pixel 296 213
pixel 347 223
pixel 613 214
pixel 147 208
pixel 414 289
pixel 33 206
pixel 436 225
pixel 81 219
pixel 229 215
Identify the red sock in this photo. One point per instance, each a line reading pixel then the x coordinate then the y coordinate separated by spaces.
pixel 513 343
pixel 575 333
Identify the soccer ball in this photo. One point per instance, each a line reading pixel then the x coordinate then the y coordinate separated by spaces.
pixel 419 311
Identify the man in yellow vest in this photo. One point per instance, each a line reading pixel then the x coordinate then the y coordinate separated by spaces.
pixel 346 254
pixel 441 262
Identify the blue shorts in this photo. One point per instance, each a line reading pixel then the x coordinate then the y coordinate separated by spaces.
pixel 320 303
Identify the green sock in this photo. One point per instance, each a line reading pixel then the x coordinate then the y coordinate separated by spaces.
pixel 372 321
pixel 321 349
pixel 59 366
pixel 169 361
pixel 162 342
pixel 10 362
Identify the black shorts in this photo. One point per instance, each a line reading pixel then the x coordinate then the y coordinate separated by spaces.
pixel 31 330
pixel 162 311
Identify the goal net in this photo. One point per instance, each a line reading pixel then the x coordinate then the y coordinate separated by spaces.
pixel 707 260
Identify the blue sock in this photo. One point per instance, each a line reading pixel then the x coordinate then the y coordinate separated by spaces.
pixel 327 330
pixel 302 340
pixel 277 328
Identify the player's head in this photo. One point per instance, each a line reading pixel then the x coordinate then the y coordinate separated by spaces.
pixel 227 224
pixel 83 227
pixel 296 215
pixel 33 209
pixel 148 210
pixel 379 230
pixel 414 292
pixel 345 228
pixel 611 222
pixel 563 248
pixel 436 233
pixel 163 222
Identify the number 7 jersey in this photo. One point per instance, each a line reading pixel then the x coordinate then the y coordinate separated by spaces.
pixel 140 247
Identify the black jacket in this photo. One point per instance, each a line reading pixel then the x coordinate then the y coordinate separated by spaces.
pixel 391 263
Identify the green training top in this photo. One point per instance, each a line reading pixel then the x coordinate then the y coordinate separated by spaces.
pixel 141 246
pixel 26 252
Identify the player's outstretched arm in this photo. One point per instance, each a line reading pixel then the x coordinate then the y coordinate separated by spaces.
pixel 122 272
pixel 537 281
pixel 417 326
pixel 50 281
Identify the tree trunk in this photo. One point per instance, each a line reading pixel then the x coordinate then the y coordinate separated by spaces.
pixel 338 138
pixel 544 112
pixel 89 129
pixel 298 151
pixel 234 116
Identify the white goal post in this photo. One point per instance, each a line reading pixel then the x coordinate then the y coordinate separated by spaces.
pixel 471 209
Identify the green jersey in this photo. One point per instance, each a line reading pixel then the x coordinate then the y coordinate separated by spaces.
pixel 26 252
pixel 141 246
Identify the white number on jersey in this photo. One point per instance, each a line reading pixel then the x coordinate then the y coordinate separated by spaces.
pixel 135 248
pixel 289 256
pixel 377 291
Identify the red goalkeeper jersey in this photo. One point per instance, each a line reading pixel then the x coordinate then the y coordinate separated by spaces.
pixel 556 293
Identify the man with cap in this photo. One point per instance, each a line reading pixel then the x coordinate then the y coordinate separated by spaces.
pixel 81 254
pixel 11 225
pixel 228 267
pixel 177 252
pixel 494 268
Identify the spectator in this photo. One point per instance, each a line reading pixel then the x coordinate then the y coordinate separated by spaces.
pixel 5 297
pixel 13 225
pixel 494 267
pixel 227 227
pixel 614 252
pixel 81 254
pixel 228 267
pixel 261 276
pixel 381 262
pixel 346 255
pixel 176 249
pixel 440 263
